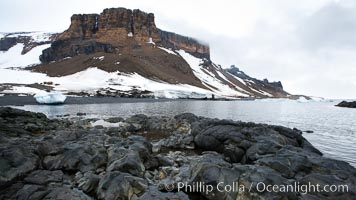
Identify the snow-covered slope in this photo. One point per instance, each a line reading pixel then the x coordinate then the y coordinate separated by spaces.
pixel 14 78
pixel 209 79
pixel 14 58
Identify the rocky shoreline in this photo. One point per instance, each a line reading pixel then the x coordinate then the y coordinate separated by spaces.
pixel 144 157
pixel 346 104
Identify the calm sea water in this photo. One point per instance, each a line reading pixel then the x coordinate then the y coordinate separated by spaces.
pixel 334 128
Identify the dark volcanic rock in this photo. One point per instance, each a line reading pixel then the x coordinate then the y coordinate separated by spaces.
pixel 77 161
pixel 118 185
pixel 347 104
pixel 7 43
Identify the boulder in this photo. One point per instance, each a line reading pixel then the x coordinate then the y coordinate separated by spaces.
pixel 347 104
pixel 119 185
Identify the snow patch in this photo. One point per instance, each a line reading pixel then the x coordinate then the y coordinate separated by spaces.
pixel 14 58
pixel 168 50
pixel 22 90
pixel 101 58
pixel 238 78
pixel 106 124
pixel 130 34
pixel 117 63
pixel 150 41
pixel 261 92
pixel 237 87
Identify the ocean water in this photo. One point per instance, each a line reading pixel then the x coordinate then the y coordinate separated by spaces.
pixel 334 128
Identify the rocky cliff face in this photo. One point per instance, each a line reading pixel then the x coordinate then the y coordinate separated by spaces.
pixel 276 86
pixel 190 45
pixel 116 30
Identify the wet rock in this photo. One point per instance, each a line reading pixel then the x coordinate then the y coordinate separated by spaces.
pixel 125 160
pixel 66 193
pixel 233 154
pixel 83 157
pixel 189 117
pixel 262 148
pixel 176 141
pixel 154 193
pixel 114 119
pixel 16 162
pixel 77 161
pixel 31 192
pixel 347 104
pixel 119 185
pixel 256 178
pixel 43 177
pixel 15 122
pixel 81 114
pixel 88 182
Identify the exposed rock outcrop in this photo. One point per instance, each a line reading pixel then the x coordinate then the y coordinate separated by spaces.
pixel 175 41
pixel 116 30
pixel 236 72
pixel 143 159
pixel 346 104
pixel 25 38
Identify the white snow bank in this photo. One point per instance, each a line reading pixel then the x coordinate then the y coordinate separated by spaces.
pixel 22 90
pixel 50 98
pixel 14 58
pixel 168 50
pixel 106 124
pixel 93 79
pixel 101 58
pixel 150 41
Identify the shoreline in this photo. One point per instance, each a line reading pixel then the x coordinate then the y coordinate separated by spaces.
pixel 10 100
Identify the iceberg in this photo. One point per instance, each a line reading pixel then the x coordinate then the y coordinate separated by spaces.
pixel 50 98
pixel 302 100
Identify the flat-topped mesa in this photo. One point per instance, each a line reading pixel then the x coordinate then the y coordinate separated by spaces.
pixel 116 30
pixel 114 26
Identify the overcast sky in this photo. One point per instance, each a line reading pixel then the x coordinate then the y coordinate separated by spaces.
pixel 309 45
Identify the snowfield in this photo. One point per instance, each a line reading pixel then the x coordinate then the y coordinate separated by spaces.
pixel 14 58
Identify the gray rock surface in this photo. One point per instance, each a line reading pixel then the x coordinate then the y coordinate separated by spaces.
pixel 159 158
